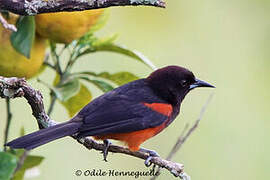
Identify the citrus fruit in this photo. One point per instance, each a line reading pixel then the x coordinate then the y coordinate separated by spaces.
pixel 13 63
pixel 64 27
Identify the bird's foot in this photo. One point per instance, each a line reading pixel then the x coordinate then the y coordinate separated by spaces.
pixel 107 144
pixel 152 154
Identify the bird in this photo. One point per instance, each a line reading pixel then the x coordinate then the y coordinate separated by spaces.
pixel 131 113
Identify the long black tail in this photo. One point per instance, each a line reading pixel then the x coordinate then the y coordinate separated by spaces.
pixel 43 136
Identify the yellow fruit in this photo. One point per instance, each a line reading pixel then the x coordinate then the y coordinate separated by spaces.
pixel 14 64
pixel 64 27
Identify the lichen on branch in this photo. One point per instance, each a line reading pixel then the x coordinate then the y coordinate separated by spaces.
pixel 33 7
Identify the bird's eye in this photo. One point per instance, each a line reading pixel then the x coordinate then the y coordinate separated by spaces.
pixel 184 83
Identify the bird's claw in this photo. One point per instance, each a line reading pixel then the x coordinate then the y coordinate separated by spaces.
pixel 152 154
pixel 107 144
pixel 148 162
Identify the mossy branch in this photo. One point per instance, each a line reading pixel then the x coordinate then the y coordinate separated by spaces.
pixel 33 7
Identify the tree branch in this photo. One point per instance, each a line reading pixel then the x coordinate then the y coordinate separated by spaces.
pixel 33 7
pixel 17 87
pixel 6 25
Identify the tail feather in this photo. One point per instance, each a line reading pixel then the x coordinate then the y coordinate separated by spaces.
pixel 44 136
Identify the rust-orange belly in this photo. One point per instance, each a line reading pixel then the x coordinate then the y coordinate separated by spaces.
pixel 134 139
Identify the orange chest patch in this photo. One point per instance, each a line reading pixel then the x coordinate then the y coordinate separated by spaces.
pixel 165 109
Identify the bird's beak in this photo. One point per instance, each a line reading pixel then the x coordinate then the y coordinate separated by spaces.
pixel 200 83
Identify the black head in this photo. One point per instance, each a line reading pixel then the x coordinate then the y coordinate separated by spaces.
pixel 172 83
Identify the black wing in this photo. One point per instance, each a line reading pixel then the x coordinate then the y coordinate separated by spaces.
pixel 120 111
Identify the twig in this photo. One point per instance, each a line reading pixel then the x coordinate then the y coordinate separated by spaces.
pixel 56 61
pixel 58 69
pixel 17 87
pixel 49 65
pixel 33 7
pixel 6 25
pixel 9 117
pixel 182 138
pixel 52 103
pixel 21 160
pixel 54 67
pixel 46 61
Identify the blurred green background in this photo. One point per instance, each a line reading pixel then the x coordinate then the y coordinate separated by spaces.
pixel 223 42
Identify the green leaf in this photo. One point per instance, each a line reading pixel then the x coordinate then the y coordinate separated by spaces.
pixel 22 131
pixel 119 78
pixel 67 90
pixel 77 102
pixel 18 152
pixel 108 45
pixel 19 175
pixel 30 162
pixel 104 41
pixel 86 40
pixel 90 44
pixel 23 39
pixel 8 163
pixel 102 85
